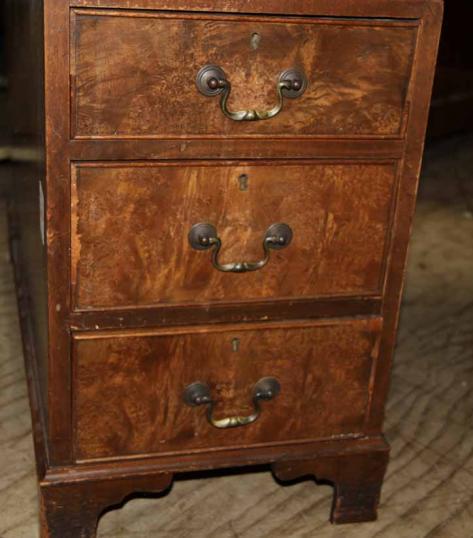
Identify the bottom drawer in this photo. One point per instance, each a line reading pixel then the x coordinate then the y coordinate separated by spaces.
pixel 129 387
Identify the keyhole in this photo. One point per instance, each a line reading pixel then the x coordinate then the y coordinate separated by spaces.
pixel 243 180
pixel 235 345
pixel 255 41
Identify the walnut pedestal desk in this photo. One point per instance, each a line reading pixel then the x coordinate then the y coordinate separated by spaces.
pixel 211 275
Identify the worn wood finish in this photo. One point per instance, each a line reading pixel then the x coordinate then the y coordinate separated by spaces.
pixel 72 510
pixel 266 310
pixel 410 9
pixel 128 388
pixel 440 274
pixel 357 478
pixel 148 210
pixel 230 148
pixel 56 216
pixel 379 67
pixel 407 192
pixel 134 75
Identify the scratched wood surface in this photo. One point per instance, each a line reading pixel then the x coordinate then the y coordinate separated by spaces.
pixel 119 382
pixel 358 79
pixel 332 210
pixel 428 492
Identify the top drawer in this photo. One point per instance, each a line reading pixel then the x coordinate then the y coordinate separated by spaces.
pixel 134 75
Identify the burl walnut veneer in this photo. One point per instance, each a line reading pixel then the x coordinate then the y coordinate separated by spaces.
pixel 210 245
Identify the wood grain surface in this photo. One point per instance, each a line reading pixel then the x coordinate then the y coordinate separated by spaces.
pixel 130 224
pixel 128 388
pixel 429 484
pixel 134 74
pixel 368 78
pixel 352 8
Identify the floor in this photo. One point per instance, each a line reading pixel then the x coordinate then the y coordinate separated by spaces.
pixel 428 492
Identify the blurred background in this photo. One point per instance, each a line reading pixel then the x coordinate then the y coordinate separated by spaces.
pixel 452 102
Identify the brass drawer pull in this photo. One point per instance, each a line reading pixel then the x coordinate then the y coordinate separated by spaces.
pixel 204 236
pixel 198 393
pixel 211 80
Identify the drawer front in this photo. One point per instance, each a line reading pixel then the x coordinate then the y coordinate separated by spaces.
pixel 134 75
pixel 129 388
pixel 131 224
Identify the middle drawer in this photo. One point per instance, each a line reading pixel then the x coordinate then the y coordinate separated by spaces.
pixel 135 243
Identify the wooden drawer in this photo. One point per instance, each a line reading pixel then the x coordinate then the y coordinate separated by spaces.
pixel 130 226
pixel 134 74
pixel 128 387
